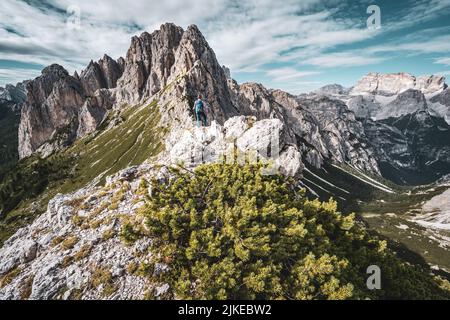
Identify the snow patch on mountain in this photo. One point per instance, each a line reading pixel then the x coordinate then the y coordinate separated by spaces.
pixel 436 212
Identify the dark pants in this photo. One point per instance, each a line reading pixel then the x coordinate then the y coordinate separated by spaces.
pixel 201 117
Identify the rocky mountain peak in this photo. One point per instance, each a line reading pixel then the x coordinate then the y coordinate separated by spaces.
pixel 172 66
pixel 174 63
pixel 54 70
pixel 41 87
pixel 395 83
pixel 14 95
pixel 53 100
pixel 183 68
pixel 332 89
pixel 431 84
pixel 148 62
pixel 384 84
pixel 101 75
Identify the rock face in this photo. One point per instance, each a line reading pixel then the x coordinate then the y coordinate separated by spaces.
pixel 380 97
pixel 341 134
pixel 52 104
pixel 440 105
pixel 407 102
pixel 405 122
pixel 392 84
pixel 57 105
pixel 385 84
pixel 323 128
pixel 68 253
pixel 174 66
pixel 240 140
pixel 413 148
pixel 12 99
pixel 93 112
pixel 14 96
pixel 332 89
pixel 430 84
pixel 100 75
pixel 148 63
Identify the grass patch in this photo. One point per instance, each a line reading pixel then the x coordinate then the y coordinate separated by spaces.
pixel 83 253
pixel 57 240
pixel 108 234
pixel 75 203
pixel 78 220
pixel 69 243
pixel 26 288
pixel 9 277
pixel 100 209
pixel 95 224
pixel 67 261
pixel 114 206
pixel 102 276
pixel 76 294
pixel 132 267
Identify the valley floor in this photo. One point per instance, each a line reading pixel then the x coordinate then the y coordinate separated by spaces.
pixel 423 227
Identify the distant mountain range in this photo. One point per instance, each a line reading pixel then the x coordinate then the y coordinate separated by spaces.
pixel 11 100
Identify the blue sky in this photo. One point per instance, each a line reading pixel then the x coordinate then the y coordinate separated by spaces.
pixel 294 45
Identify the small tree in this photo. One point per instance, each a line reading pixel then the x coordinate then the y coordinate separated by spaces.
pixel 229 232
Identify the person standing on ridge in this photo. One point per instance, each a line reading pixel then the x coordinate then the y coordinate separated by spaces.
pixel 199 109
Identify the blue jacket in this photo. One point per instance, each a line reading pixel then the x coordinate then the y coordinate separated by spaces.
pixel 199 105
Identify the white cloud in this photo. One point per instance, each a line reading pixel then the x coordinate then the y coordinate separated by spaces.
pixel 443 60
pixel 17 75
pixel 289 74
pixel 247 36
pixel 265 37
pixel 443 73
pixel 428 41
pixel 418 12
pixel 343 59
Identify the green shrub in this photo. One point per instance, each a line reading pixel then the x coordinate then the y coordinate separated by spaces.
pixel 108 234
pixel 102 276
pixel 30 177
pixel 128 233
pixel 229 232
pixel 84 252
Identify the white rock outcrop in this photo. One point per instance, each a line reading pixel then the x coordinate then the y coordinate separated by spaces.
pixel 62 252
pixel 241 140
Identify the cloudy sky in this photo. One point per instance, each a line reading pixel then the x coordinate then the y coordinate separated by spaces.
pixel 295 45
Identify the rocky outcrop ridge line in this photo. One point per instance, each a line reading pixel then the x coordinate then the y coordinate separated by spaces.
pixel 391 84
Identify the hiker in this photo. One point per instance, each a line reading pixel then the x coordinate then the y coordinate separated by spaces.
pixel 199 109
